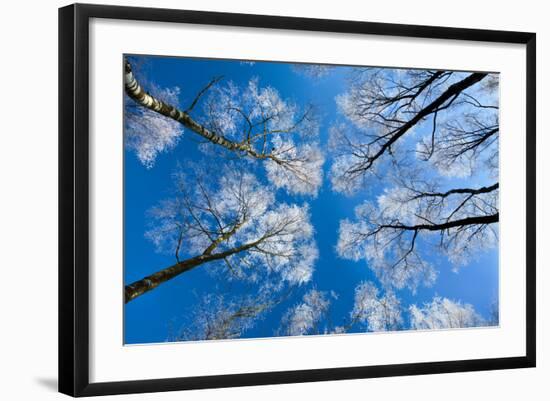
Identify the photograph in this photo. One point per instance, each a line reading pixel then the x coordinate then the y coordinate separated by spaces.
pixel 267 199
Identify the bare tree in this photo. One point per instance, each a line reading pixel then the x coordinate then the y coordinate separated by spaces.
pixel 375 311
pixel 443 313
pixel 371 311
pixel 314 71
pixel 382 106
pixel 230 224
pixel 459 223
pixel 251 121
pixel 307 316
pixel 385 313
pixel 218 316
pixel 378 312
pixel 458 114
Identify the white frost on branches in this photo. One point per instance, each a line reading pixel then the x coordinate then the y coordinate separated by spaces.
pixel 466 140
pixel 345 176
pixel 305 317
pixel 443 313
pixel 314 71
pixel 286 246
pixel 251 122
pixel 217 316
pixel 447 119
pixel 148 133
pixel 386 251
pixel 302 168
pixel 237 215
pixel 275 130
pixel 380 313
pixel 376 105
pixel 417 215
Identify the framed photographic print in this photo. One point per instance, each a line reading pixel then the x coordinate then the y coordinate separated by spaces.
pixel 250 199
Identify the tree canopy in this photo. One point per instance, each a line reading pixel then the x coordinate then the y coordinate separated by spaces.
pixel 302 199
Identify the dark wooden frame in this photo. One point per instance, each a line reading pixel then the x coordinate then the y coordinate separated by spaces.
pixel 74 192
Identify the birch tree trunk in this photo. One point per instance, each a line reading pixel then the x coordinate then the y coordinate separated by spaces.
pixel 136 92
pixel 146 284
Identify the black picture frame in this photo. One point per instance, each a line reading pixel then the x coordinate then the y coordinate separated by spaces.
pixel 74 198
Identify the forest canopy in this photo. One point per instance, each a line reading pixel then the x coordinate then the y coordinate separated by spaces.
pixel 273 199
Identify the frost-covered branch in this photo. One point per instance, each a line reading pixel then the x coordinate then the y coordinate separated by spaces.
pixel 314 71
pixel 232 224
pixel 463 145
pixel 250 121
pixel 148 133
pixel 218 316
pixel 378 312
pixel 382 106
pixel 443 313
pixel 307 316
pixel 459 222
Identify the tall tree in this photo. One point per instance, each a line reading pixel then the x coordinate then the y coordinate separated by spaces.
pixel 384 106
pixel 421 129
pixel 232 224
pixel 378 312
pixel 219 317
pixel 442 313
pixel 372 311
pixel 254 122
pixel 458 223
pixel 307 316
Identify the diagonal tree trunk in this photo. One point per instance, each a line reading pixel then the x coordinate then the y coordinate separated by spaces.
pixel 450 94
pixel 136 92
pixel 301 162
pixel 146 284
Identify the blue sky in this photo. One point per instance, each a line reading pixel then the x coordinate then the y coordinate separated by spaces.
pixel 155 315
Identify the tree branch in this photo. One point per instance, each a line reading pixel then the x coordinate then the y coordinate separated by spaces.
pixel 450 94
pixel 468 221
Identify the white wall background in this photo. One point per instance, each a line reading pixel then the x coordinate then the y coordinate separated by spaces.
pixel 28 200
